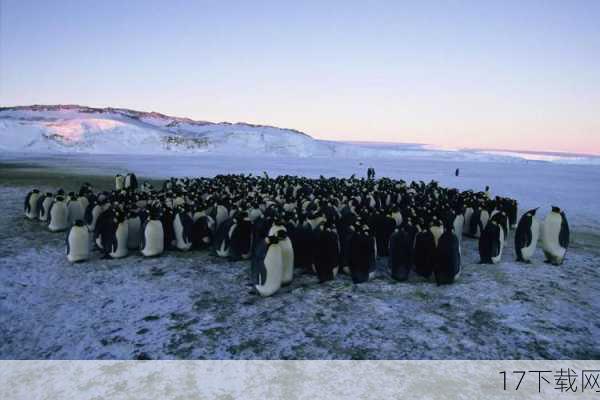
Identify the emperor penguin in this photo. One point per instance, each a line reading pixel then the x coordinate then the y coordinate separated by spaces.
pixel 78 242
pixel 501 219
pixel 447 258
pixel 119 182
pixel 76 211
pixel 401 253
pixel 202 231
pixel 182 227
pixel 437 229
pixel 130 181
pixel 555 236
pixel 458 225
pixel 527 236
pixel 115 243
pixel 58 215
pixel 153 235
pixel 240 238
pixel 31 204
pixel 222 239
pixel 44 206
pixel 327 254
pixel 467 218
pixel 92 213
pixel 362 255
pixel 267 268
pixel 221 214
pixel 287 257
pixel 424 253
pixel 491 243
pixel 135 222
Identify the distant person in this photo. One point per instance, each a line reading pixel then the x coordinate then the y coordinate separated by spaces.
pixel 457 172
pixel 371 173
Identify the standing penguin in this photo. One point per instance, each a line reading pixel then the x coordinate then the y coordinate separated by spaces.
pixel 447 259
pixel 362 255
pixel 182 228
pixel 76 210
pixel 119 182
pixel 44 206
pixel 78 242
pixel 491 244
pixel 31 204
pixel 58 215
pixel 135 221
pixel 555 236
pixel 327 251
pixel 526 236
pixel 202 231
pixel 241 237
pixel 267 269
pixel 130 182
pixel 424 253
pixel 114 241
pixel 153 235
pixel 222 239
pixel 401 253
pixel 287 257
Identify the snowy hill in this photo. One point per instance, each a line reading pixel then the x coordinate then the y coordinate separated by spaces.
pixel 62 129
pixel 58 129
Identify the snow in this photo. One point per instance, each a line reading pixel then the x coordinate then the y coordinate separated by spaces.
pixel 192 305
pixel 78 129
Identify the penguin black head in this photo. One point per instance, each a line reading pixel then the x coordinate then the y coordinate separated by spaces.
pixel 272 239
pixel 556 209
pixel 78 223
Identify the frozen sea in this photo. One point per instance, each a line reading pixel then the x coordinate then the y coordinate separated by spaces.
pixel 193 305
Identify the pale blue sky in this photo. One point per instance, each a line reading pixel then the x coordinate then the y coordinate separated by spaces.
pixel 506 74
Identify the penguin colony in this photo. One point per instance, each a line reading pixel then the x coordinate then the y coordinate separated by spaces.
pixel 322 226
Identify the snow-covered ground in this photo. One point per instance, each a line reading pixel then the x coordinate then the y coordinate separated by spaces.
pixel 191 305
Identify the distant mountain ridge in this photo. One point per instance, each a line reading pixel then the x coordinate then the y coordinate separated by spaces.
pixel 64 129
pixel 75 128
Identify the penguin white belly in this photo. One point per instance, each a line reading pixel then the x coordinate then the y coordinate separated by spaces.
pixel 273 265
pixel 153 239
pixel 223 250
pixel 468 215
pixel 134 236
pixel 221 215
pixel 497 259
pixel 79 244
pixel 121 234
pixel 119 183
pixel 84 202
pixel 287 262
pixel 527 252
pixel 437 232
pixel 59 218
pixel 553 251
pixel 45 208
pixel 485 217
pixel 459 223
pixel 398 218
pixel 181 243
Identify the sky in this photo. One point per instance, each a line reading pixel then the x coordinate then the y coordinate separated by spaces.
pixel 517 75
